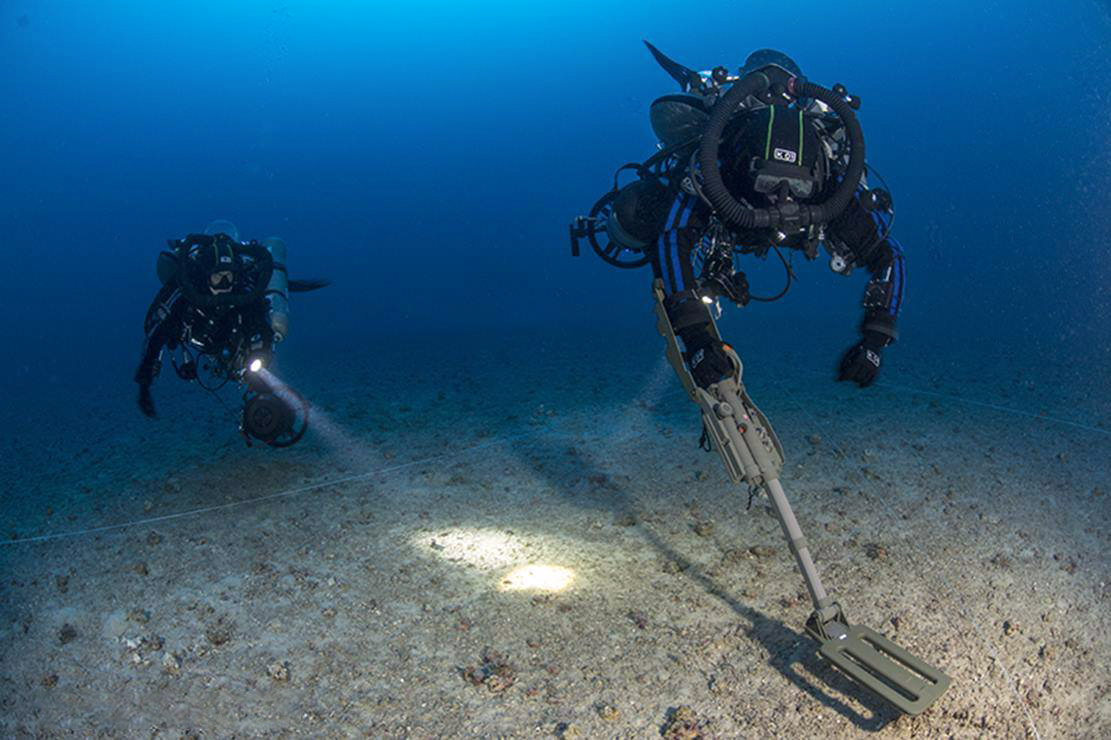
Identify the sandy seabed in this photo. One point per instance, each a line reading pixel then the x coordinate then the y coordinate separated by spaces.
pixel 529 543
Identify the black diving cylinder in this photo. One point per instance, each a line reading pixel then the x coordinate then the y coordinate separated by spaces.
pixel 638 214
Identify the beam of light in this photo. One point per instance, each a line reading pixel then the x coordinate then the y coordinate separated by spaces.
pixel 485 549
pixel 494 550
pixel 349 447
pixel 552 578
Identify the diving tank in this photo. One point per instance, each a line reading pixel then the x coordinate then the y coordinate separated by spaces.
pixel 678 119
pixel 222 226
pixel 277 292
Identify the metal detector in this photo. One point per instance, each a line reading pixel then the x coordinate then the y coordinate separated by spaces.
pixel 752 455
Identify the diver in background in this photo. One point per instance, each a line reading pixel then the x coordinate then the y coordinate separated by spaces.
pixel 778 152
pixel 223 307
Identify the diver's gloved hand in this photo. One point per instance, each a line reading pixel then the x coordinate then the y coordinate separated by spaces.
pixel 146 401
pixel 861 363
pixel 709 363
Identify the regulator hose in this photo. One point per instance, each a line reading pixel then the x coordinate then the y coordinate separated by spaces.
pixel 741 216
pixel 832 208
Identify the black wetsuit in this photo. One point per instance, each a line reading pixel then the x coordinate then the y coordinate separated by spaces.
pixel 173 321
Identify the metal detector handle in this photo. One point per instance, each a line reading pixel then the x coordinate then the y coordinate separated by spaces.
pixel 667 331
pixel 741 434
pixel 748 424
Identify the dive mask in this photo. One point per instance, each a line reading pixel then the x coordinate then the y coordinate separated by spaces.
pixel 221 273
pixel 221 281
pixel 768 177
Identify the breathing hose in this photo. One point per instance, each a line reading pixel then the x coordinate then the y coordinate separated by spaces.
pixel 739 215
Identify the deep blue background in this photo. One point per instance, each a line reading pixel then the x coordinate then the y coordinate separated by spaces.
pixel 428 155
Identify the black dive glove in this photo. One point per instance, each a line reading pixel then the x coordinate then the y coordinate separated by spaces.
pixel 861 363
pixel 709 363
pixel 144 376
pixel 146 402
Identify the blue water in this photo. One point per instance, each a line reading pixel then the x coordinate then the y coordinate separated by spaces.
pixel 427 157
pixel 466 371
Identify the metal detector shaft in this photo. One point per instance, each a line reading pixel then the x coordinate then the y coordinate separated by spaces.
pixel 751 452
pixel 746 442
pixel 799 548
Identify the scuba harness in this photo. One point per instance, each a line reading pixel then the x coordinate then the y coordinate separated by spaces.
pixel 222 281
pixel 220 264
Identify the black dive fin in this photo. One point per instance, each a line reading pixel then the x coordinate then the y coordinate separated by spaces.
pixel 687 78
pixel 304 286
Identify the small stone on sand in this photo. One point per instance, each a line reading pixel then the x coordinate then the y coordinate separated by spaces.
pixel 68 633
pixel 278 670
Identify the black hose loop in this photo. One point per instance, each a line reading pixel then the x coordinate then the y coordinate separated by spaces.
pixel 837 202
pixel 713 186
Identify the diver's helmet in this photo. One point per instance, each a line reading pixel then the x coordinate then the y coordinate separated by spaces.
pixel 770 58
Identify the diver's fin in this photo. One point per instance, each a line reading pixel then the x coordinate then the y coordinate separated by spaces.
pixel 304 286
pixel 687 78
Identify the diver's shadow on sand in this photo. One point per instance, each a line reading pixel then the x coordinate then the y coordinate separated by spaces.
pixel 781 642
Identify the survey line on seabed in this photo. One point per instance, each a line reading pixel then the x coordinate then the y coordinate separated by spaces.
pixel 500 440
pixel 983 404
pixel 936 573
pixel 267 497
pixel 282 494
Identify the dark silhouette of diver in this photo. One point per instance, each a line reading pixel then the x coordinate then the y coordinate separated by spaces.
pixel 222 309
pixel 761 161
pixel 777 151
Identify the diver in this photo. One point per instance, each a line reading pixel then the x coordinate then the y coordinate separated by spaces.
pixel 778 151
pixel 748 164
pixel 222 309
